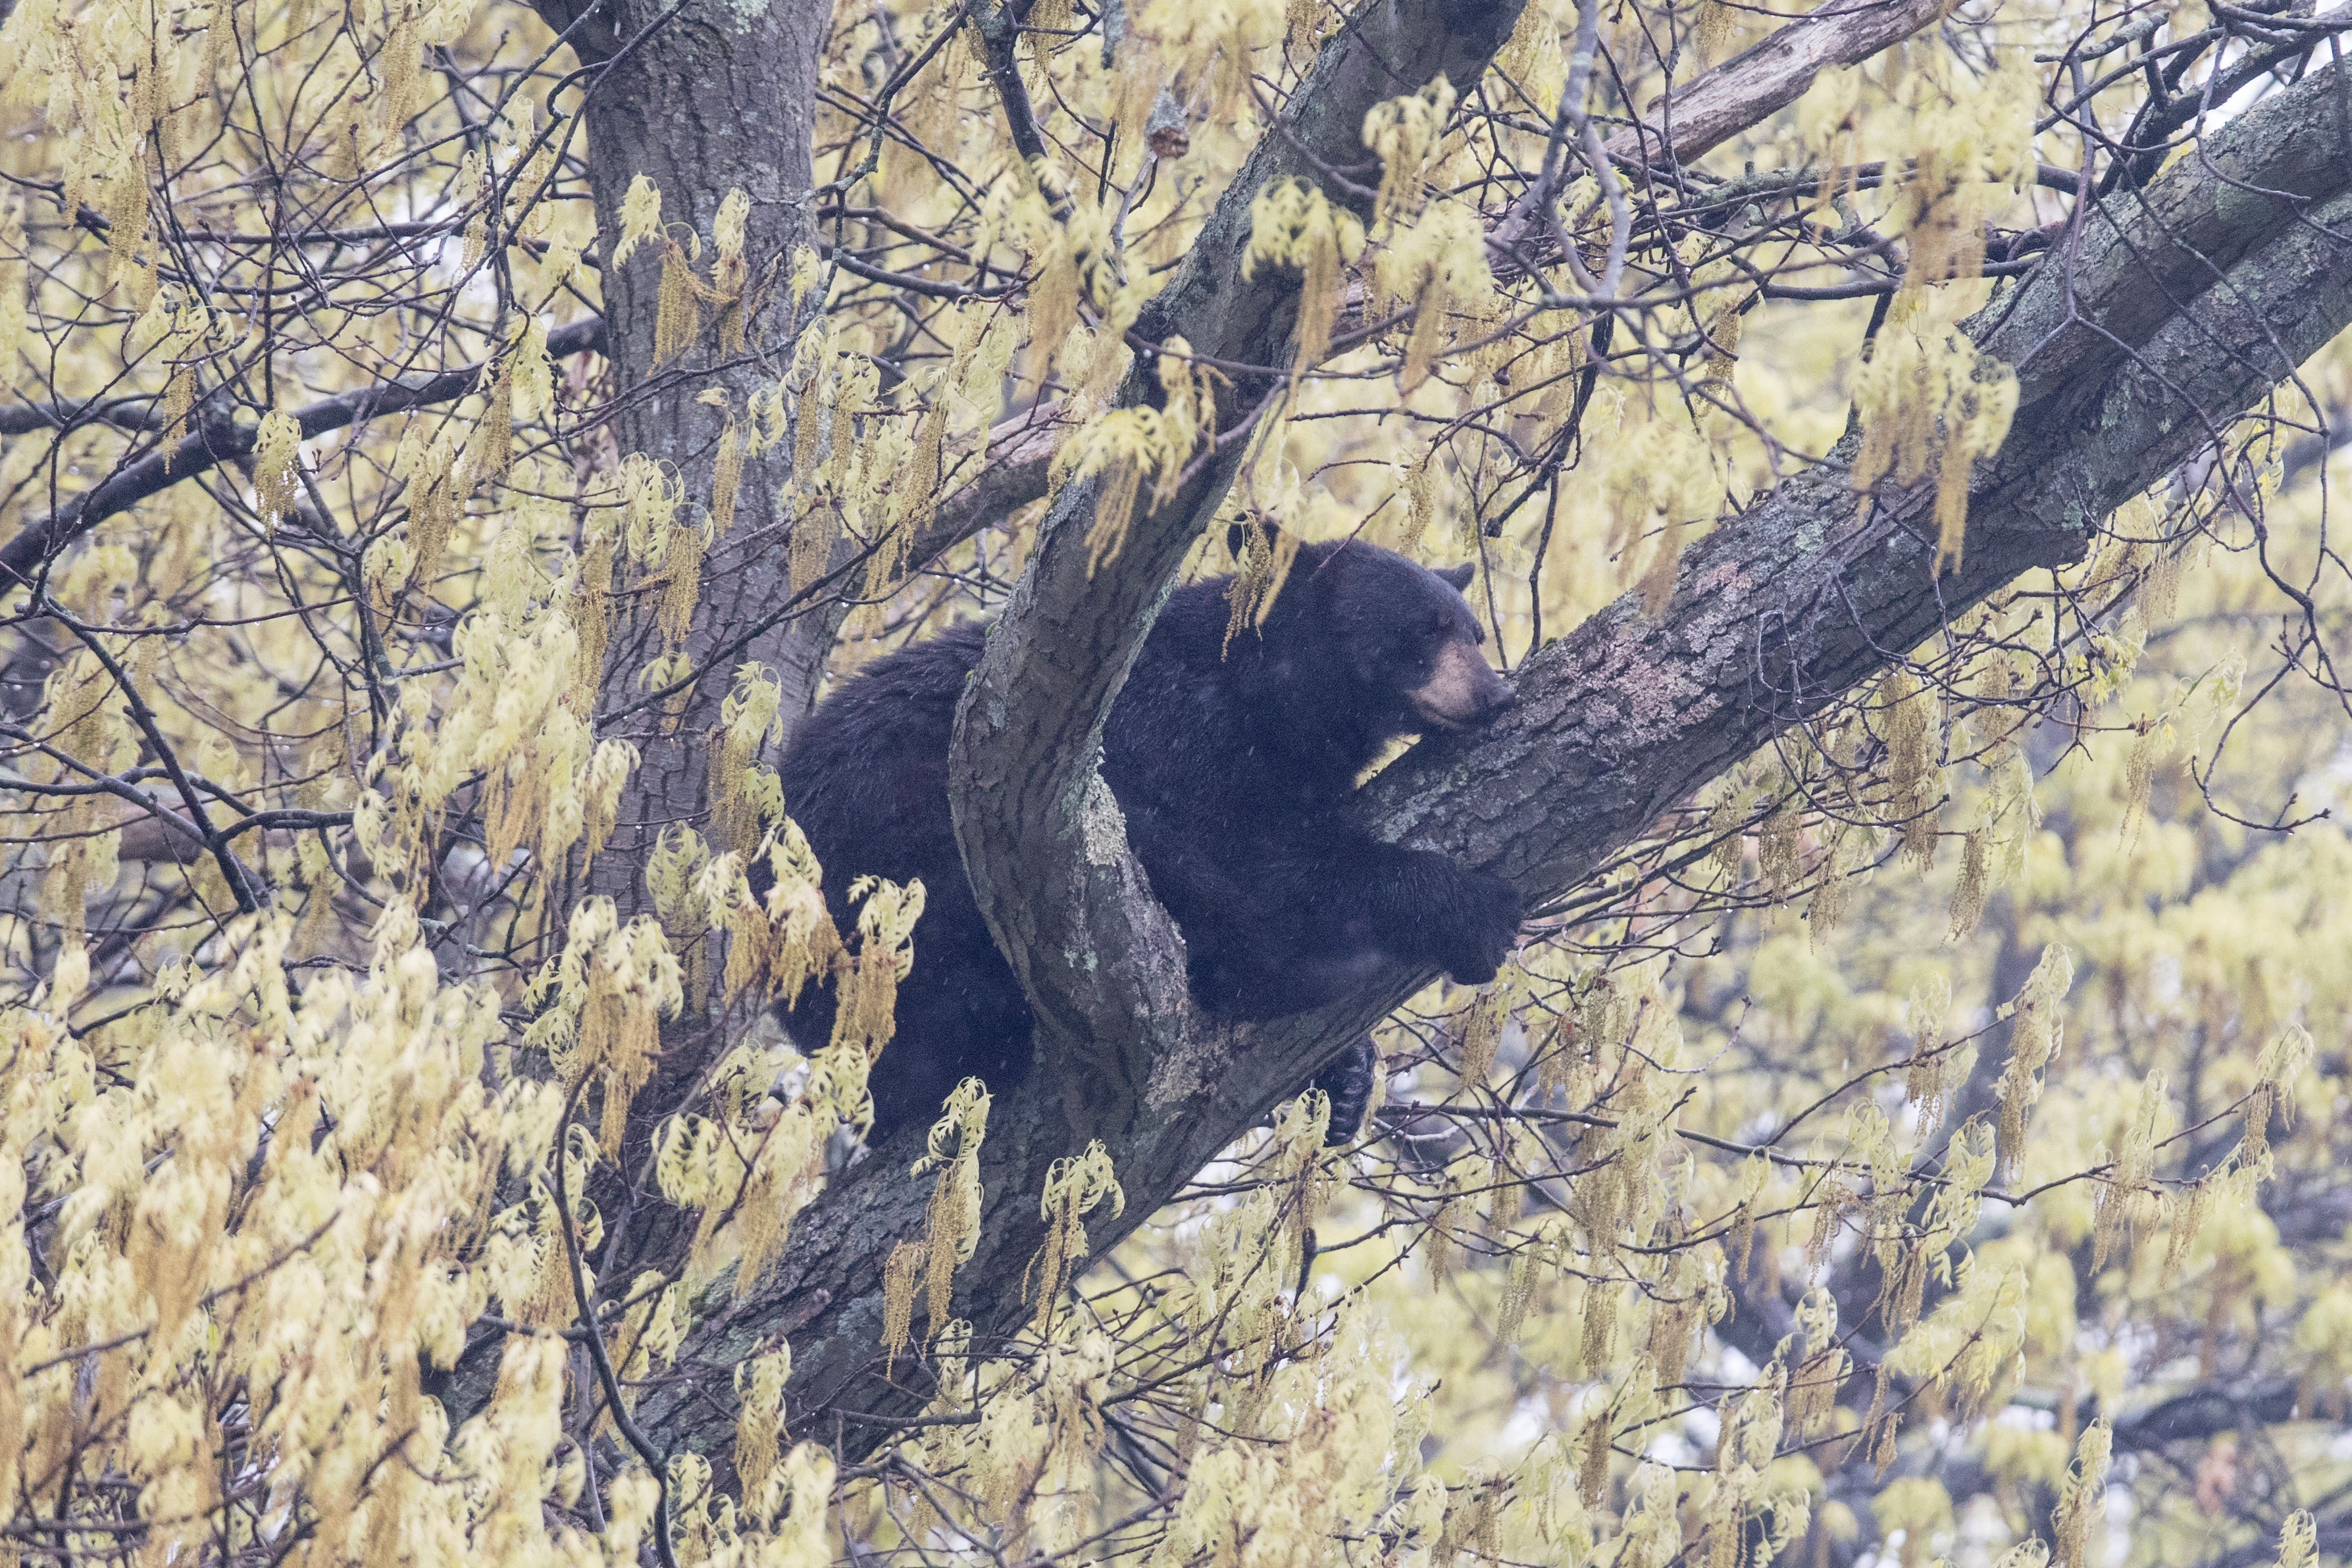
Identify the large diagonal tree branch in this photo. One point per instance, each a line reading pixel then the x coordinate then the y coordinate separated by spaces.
pixel 2182 305
pixel 2180 308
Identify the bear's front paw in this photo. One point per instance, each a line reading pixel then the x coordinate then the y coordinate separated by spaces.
pixel 1348 1082
pixel 1485 924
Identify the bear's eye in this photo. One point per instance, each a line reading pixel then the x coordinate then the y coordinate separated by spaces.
pixel 1413 654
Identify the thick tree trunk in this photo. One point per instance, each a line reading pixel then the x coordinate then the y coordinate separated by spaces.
pixel 705 97
pixel 714 97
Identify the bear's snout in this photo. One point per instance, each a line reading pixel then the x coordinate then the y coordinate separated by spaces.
pixel 1463 693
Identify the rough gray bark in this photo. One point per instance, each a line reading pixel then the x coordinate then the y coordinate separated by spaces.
pixel 2172 309
pixel 704 98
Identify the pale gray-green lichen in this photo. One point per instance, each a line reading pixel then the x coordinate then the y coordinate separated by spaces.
pixel 743 13
pixel 1102 827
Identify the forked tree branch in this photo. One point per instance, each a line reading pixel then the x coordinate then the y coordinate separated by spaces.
pixel 1042 838
pixel 2180 307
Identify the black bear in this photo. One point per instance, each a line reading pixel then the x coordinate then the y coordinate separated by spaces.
pixel 1233 766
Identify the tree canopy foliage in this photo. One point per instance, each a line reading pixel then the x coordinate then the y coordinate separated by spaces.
pixel 448 446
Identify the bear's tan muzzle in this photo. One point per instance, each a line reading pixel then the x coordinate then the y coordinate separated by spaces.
pixel 1463 693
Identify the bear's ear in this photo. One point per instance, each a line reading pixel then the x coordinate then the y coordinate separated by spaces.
pixel 1238 536
pixel 1457 577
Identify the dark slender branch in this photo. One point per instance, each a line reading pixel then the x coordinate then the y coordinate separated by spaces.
pixel 1000 35
pixel 141 413
pixel 597 1352
pixel 219 442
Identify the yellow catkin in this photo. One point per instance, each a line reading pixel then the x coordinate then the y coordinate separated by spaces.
pixel 1974 886
pixel 922 483
pixel 1483 1026
pixel 493 443
pixel 1074 1187
pixel 1715 21
pixel 900 1273
pixel 14 275
pixel 730 272
pixel 591 619
pixel 1593 1469
pixel 1723 337
pixel 403 62
pixel 277 448
pixel 1907 717
pixel 759 1384
pixel 1600 1327
pixel 681 583
pixel 2037 1034
pixel 2082 1497
pixel 952 1219
pixel 179 398
pixel 1923 1082
pixel 1265 561
pixel 807 412
pixel 220 42
pixel 678 309
pixel 641 210
pixel 1777 846
pixel 431 513
pixel 630 1045
pixel 1830 897
pixel 126 214
pixel 2160 589
pixel 1402 132
pixel 1293 225
pixel 1930 404
pixel 726 477
pixel 1119 484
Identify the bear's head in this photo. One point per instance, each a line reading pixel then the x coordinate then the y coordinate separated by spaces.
pixel 1388 640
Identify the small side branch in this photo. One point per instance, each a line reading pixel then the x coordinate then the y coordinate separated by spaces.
pixel 214 445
